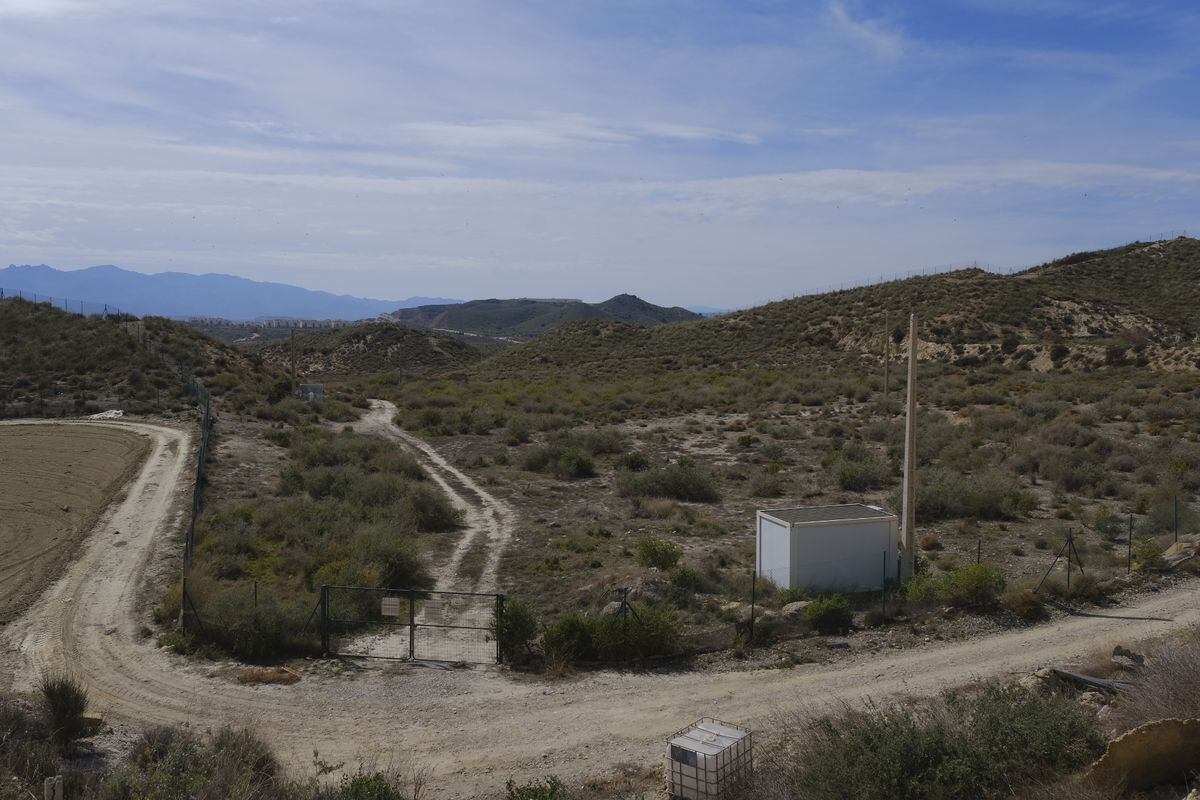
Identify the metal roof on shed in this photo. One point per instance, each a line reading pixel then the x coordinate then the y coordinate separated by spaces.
pixel 827 513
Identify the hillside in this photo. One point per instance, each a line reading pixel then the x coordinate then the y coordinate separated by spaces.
pixel 179 295
pixel 53 363
pixel 525 318
pixel 370 348
pixel 1132 304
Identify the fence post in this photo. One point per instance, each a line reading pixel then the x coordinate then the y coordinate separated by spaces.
pixel 183 598
pixel 412 625
pixel 499 627
pixel 1071 549
pixel 1129 548
pixel 325 620
pixel 1176 519
pixel 978 550
pixel 753 599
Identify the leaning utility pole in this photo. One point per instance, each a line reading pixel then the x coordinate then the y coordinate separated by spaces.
pixel 910 457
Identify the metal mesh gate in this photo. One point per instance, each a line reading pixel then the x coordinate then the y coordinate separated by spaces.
pixel 409 624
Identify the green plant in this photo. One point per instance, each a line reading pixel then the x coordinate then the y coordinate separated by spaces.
pixel 515 628
pixel 829 614
pixel 549 789
pixel 1148 554
pixel 657 553
pixel 683 480
pixel 64 699
pixel 974 585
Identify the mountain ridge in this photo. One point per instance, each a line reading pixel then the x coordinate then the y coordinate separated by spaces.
pixel 181 295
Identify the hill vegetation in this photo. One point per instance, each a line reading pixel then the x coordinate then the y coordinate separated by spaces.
pixel 1132 304
pixel 525 318
pixel 54 363
pixel 370 348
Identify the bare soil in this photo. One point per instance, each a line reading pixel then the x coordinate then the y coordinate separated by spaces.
pixel 472 728
pixel 55 480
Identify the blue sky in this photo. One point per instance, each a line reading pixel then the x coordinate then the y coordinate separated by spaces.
pixel 690 152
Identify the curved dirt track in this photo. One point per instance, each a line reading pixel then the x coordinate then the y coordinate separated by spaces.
pixel 471 728
pixel 483 514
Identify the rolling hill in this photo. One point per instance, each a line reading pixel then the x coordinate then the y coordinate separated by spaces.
pixel 525 318
pixel 1131 304
pixel 179 295
pixel 370 348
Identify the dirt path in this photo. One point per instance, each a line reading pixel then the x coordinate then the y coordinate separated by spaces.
pixel 472 728
pixel 483 514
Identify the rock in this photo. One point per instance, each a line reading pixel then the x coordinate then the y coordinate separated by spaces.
pixel 794 612
pixel 1093 700
pixel 611 609
pixel 1127 659
pixel 1164 751
pixel 837 644
pixel 651 590
pixel 1194 794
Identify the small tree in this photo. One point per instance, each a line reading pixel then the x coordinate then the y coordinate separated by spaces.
pixel 515 627
pixel 655 552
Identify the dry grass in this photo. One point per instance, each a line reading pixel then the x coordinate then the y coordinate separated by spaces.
pixel 1166 687
pixel 268 675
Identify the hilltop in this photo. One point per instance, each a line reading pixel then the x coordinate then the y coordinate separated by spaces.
pixel 524 318
pixel 179 295
pixel 1131 304
pixel 55 363
pixel 370 348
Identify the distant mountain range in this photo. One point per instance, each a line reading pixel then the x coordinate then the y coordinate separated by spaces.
pixel 181 295
pixel 525 318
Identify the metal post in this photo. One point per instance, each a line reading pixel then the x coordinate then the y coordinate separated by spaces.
pixel 978 550
pixel 753 599
pixel 183 597
pixel 1176 519
pixel 325 620
pixel 412 625
pixel 1071 551
pixel 883 591
pixel 1129 548
pixel 499 615
pixel 910 455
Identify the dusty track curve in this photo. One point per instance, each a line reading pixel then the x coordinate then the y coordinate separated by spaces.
pixel 483 514
pixel 472 728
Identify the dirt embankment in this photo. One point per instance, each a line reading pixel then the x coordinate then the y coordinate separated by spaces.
pixel 55 480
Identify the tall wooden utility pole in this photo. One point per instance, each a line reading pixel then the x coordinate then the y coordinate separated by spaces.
pixel 887 353
pixel 910 457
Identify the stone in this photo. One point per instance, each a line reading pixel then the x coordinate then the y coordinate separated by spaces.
pixel 794 612
pixel 1163 751
pixel 611 609
pixel 1126 654
pixel 92 722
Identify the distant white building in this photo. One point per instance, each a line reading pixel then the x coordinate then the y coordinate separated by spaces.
pixel 827 548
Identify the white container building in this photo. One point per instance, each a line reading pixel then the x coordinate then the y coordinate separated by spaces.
pixel 709 760
pixel 828 548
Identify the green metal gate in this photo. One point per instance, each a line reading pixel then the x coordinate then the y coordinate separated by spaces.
pixel 409 624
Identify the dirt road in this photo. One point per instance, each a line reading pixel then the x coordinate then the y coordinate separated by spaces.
pixel 483 514
pixel 472 728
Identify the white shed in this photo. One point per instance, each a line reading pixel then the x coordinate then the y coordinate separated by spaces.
pixel 845 547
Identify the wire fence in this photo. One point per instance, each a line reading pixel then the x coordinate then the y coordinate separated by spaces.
pixel 84 308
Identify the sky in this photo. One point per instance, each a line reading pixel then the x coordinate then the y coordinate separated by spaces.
pixel 693 153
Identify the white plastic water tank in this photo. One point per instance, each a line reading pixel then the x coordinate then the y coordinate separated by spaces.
pixel 708 760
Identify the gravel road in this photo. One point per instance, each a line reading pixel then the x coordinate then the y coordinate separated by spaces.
pixel 472 728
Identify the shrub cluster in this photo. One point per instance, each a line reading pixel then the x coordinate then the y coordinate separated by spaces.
pixel 959 747
pixel 658 553
pixel 978 585
pixel 683 480
pixel 645 632
pixel 829 614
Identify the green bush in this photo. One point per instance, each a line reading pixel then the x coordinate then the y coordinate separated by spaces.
pixel 568 463
pixel 971 747
pixel 644 632
pixel 923 588
pixel 550 789
pixel 64 699
pixel 1025 604
pixel 683 480
pixel 515 629
pixel 652 551
pixel 1148 554
pixel 974 585
pixel 943 494
pixel 829 614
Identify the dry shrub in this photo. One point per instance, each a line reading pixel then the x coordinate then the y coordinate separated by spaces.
pixel 1165 687
pixel 1025 604
pixel 268 675
pixel 930 541
pixel 654 507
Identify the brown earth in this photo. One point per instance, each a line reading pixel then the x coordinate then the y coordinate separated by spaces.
pixel 472 728
pixel 54 482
